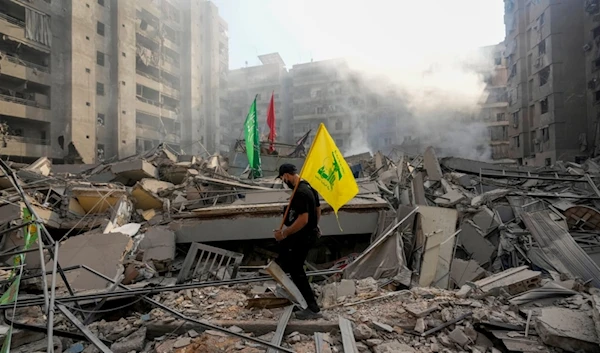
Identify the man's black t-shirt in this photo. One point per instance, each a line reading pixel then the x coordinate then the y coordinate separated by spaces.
pixel 306 200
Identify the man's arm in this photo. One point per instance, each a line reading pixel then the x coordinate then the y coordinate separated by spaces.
pixel 298 224
pixel 317 204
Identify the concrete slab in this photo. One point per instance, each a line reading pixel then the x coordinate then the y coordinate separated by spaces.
pixel 486 219
pixel 135 170
pixel 102 252
pixel 158 244
pixel 9 213
pixel 475 244
pixel 570 330
pixel 514 280
pixel 97 200
pixel 506 212
pixel 432 165
pixel 438 225
pixel 465 271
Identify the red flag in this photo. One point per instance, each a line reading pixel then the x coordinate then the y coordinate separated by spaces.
pixel 271 123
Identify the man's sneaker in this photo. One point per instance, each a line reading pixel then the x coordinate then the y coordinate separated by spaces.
pixel 307 314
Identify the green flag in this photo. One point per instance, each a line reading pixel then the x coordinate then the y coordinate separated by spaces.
pixel 252 142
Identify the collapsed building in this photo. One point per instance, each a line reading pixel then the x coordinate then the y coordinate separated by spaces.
pixel 171 253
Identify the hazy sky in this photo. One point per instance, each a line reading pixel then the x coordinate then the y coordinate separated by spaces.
pixel 381 32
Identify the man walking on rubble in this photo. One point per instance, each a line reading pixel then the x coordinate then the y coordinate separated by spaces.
pixel 299 236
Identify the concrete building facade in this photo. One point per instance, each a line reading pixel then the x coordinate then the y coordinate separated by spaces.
pixel 89 80
pixel 548 105
pixel 259 81
pixel 325 92
pixel 494 104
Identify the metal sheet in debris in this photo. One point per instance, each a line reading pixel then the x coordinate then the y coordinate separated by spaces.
pixel 556 242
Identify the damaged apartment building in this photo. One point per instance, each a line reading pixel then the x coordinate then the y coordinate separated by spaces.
pixel 551 117
pixel 494 102
pixel 330 92
pixel 124 76
pixel 247 83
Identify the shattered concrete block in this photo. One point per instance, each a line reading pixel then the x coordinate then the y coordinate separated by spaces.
pixel 133 342
pixel 463 271
pixel 346 288
pixel 464 291
pixel 570 330
pixel 458 336
pixel 182 342
pixel 102 252
pixel 135 170
pixel 363 332
pixel 420 325
pixel 394 347
pixel 158 244
pixel 382 326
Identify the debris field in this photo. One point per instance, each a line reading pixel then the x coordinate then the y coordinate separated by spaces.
pixel 170 253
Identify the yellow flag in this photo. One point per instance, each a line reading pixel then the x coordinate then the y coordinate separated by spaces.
pixel 327 172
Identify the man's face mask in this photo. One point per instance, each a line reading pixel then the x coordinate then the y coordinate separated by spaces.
pixel 288 183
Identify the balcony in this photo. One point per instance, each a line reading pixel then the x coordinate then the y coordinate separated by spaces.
pixel 147 80
pixel 147 106
pixel 24 108
pixel 171 44
pixel 15 67
pixel 170 66
pixel 169 90
pixel 15 30
pixel 151 133
pixel 25 147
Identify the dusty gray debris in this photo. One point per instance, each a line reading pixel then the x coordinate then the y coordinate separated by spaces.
pixel 362 332
pixel 394 347
pixel 182 342
pixel 458 336
pixel 383 327
pixel 133 342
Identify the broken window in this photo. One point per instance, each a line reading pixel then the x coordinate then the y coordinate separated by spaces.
pixel 320 110
pixel 100 28
pixel 544 106
pixel 544 75
pixel 500 116
pixel 338 125
pixel 516 141
pixel 548 162
pixel 100 119
pixel 100 58
pixel 515 117
pixel 498 61
pixel 100 151
pixel 99 88
pixel 545 134
pixel 542 47
pixel 541 19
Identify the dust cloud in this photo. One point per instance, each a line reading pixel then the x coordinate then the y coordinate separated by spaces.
pixel 421 58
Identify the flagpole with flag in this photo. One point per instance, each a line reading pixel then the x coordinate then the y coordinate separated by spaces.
pixel 328 173
pixel 271 122
pixel 252 141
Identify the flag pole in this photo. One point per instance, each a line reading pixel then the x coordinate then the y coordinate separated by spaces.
pixel 287 209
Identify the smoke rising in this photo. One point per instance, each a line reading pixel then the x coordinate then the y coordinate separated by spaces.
pixel 420 58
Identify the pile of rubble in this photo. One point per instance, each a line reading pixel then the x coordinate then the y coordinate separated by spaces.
pixel 462 256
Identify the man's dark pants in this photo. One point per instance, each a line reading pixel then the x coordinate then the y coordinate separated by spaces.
pixel 292 255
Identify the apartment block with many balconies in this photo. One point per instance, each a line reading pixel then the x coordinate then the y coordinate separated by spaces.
pixel 85 81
